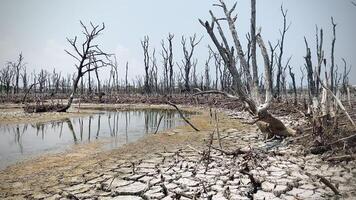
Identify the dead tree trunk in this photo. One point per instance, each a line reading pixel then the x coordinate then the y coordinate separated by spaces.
pixel 170 62
pixel 310 74
pixel 187 62
pixel 294 86
pixel 253 50
pixel 320 55
pixel 145 46
pixel 17 67
pixel 332 76
pixel 126 81
pixel 281 46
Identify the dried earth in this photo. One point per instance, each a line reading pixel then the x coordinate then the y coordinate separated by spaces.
pixel 179 164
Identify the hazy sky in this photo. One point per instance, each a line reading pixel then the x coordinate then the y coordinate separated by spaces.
pixel 39 28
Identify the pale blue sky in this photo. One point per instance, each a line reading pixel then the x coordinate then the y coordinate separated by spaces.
pixel 39 28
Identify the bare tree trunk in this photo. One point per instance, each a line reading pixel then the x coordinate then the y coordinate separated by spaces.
pixel 253 50
pixel 170 63
pixel 126 81
pixel 320 55
pixel 145 46
pixel 294 86
pixel 187 61
pixel 332 77
pixel 310 74
pixel 281 46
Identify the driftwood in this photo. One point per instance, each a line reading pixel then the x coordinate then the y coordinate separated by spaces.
pixel 325 181
pixel 182 115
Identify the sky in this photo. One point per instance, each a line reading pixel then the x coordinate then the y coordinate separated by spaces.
pixel 39 28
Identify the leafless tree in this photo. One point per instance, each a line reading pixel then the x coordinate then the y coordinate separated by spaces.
pixel 153 72
pixel 320 56
pixel 188 62
pixel 167 55
pixel 126 74
pixel 145 46
pixel 310 72
pixel 24 77
pixel 87 53
pixel 17 67
pixel 281 46
pixel 266 121
pixel 302 72
pixel 207 71
pixel 253 45
pixel 7 75
pixel 332 76
pixel 294 85
pixel 272 49
pixel 115 73
pixel 345 79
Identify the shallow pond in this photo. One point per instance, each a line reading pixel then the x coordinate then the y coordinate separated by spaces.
pixel 114 128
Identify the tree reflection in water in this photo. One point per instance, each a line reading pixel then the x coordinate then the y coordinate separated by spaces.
pixel 114 128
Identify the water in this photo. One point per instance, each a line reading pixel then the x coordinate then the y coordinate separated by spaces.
pixel 23 141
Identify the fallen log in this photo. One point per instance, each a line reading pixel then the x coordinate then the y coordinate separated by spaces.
pixel 341 158
pixel 182 115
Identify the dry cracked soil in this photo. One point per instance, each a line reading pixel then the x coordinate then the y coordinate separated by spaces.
pixel 181 164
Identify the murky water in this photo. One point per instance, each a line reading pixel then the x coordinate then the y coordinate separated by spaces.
pixel 23 141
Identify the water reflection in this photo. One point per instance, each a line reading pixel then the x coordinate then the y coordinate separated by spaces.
pixel 20 141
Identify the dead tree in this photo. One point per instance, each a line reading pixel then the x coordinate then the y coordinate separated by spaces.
pixel 87 53
pixel 280 56
pixel 207 71
pixel 266 121
pixel 294 85
pixel 272 49
pixel 345 79
pixel 253 47
pixel 332 76
pixel 302 72
pixel 7 75
pixel 17 67
pixel 154 72
pixel 310 73
pixel 187 62
pixel 145 46
pixel 165 58
pixel 170 61
pixel 115 73
pixel 167 55
pixel 24 77
pixel 320 56
pixel 126 73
